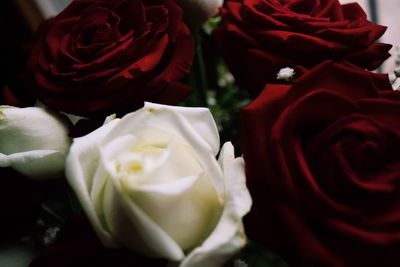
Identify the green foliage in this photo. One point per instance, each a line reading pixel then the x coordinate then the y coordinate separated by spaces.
pixel 255 255
pixel 211 24
pixel 214 87
pixel 60 205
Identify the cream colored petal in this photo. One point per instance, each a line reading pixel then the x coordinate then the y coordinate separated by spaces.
pixel 187 208
pixel 26 129
pixel 193 126
pixel 122 218
pixel 187 123
pixel 235 180
pixel 33 141
pixel 81 166
pixel 172 199
pixel 36 164
pixel 228 237
pixel 134 228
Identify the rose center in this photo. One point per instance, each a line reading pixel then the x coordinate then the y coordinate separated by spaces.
pixel 168 183
pixel 302 7
pixel 96 26
pixel 354 157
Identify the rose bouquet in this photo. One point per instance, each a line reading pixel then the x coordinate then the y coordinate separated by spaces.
pixel 158 133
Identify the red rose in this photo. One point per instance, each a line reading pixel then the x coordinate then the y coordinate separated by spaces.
pixel 259 37
pixel 323 166
pixel 110 56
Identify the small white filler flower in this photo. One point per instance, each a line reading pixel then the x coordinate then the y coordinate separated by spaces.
pixel 286 74
pixel 240 263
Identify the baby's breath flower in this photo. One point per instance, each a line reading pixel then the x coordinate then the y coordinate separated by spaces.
pixel 240 263
pixel 286 74
pixel 50 235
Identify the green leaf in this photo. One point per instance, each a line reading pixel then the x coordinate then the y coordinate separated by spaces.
pixel 60 205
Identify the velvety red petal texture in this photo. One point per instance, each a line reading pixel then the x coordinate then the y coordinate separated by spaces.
pixel 323 167
pixel 98 57
pixel 78 246
pixel 259 37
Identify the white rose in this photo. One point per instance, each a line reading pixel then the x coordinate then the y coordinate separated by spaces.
pixel 198 11
pixel 150 182
pixel 33 141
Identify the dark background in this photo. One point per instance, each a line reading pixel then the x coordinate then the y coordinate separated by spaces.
pixel 15 43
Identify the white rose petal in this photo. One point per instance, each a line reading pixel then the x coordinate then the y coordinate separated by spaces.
pixel 33 141
pixel 150 181
pixel 229 233
pixel 198 11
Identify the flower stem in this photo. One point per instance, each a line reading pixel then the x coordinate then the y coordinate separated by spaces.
pixel 200 71
pixel 49 211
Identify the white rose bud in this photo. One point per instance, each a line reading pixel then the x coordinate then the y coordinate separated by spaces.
pixel 33 141
pixel 198 11
pixel 150 181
